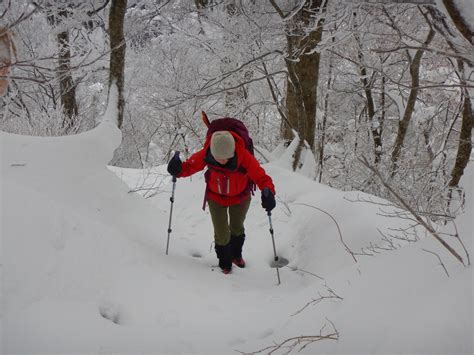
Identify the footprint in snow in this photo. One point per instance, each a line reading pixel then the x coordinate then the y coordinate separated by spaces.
pixel 111 312
pixel 236 341
pixel 266 333
pixel 196 254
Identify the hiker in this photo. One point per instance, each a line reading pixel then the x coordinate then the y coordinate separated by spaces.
pixel 232 172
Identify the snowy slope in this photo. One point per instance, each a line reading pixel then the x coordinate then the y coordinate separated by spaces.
pixel 85 272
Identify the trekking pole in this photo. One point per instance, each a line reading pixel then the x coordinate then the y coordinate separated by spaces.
pixel 176 154
pixel 269 213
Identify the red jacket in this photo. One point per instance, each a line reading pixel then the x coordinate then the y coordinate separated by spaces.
pixel 228 185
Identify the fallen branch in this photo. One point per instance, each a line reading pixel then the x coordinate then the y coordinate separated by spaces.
pixel 296 268
pixel 331 295
pixel 456 235
pixel 298 342
pixel 405 205
pixel 337 225
pixel 440 261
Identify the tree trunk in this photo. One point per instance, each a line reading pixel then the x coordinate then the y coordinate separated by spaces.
pixel 201 5
pixel 465 138
pixel 459 20
pixel 67 86
pixel 117 54
pixel 303 73
pixel 404 123
pixel 7 56
pixel 370 107
pixel 322 128
pixel 382 114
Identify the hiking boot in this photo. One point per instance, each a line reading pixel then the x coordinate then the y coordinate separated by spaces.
pixel 239 262
pixel 236 244
pixel 224 255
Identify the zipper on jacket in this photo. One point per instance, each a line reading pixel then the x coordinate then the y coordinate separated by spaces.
pixel 228 185
pixel 219 185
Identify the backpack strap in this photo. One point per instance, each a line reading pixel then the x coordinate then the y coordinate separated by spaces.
pixel 206 192
pixel 205 119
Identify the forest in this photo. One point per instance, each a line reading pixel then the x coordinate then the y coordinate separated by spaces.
pixel 361 116
pixel 374 95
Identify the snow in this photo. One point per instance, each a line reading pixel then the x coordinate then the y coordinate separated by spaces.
pixel 85 272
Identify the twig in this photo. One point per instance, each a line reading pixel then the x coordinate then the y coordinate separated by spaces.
pixel 295 268
pixel 440 261
pixel 337 225
pixel 456 235
pixel 299 342
pixel 417 217
pixel 331 295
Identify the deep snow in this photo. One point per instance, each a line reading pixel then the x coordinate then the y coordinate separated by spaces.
pixel 85 272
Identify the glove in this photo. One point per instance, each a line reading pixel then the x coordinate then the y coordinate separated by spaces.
pixel 268 199
pixel 175 165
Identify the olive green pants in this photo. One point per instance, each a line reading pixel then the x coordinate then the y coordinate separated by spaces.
pixel 228 220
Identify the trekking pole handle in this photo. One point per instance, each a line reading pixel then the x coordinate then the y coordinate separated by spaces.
pixel 175 155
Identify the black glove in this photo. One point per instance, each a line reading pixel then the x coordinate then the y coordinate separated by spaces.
pixel 268 199
pixel 175 165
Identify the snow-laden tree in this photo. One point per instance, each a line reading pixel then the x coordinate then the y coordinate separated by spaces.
pixel 388 80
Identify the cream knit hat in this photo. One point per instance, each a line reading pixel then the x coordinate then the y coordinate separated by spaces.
pixel 222 145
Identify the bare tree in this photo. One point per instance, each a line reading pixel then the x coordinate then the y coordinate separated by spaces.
pixel 459 20
pixel 7 56
pixel 418 217
pixel 367 79
pixel 67 86
pixel 117 54
pixel 303 34
pixel 465 138
pixel 415 64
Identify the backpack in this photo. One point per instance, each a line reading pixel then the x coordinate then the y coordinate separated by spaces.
pixel 228 124
pixel 234 125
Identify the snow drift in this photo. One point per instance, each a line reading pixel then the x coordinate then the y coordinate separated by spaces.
pixel 84 269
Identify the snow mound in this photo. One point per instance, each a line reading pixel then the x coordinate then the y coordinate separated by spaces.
pixel 84 269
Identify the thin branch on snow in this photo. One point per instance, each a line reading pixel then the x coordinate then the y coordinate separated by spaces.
pixel 295 268
pixel 331 295
pixel 337 225
pixel 456 235
pixel 417 217
pixel 299 342
pixel 440 261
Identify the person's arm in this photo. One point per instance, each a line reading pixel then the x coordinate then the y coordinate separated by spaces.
pixel 256 173
pixel 194 164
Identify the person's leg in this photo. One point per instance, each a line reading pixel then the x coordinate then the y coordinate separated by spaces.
pixel 220 222
pixel 237 214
